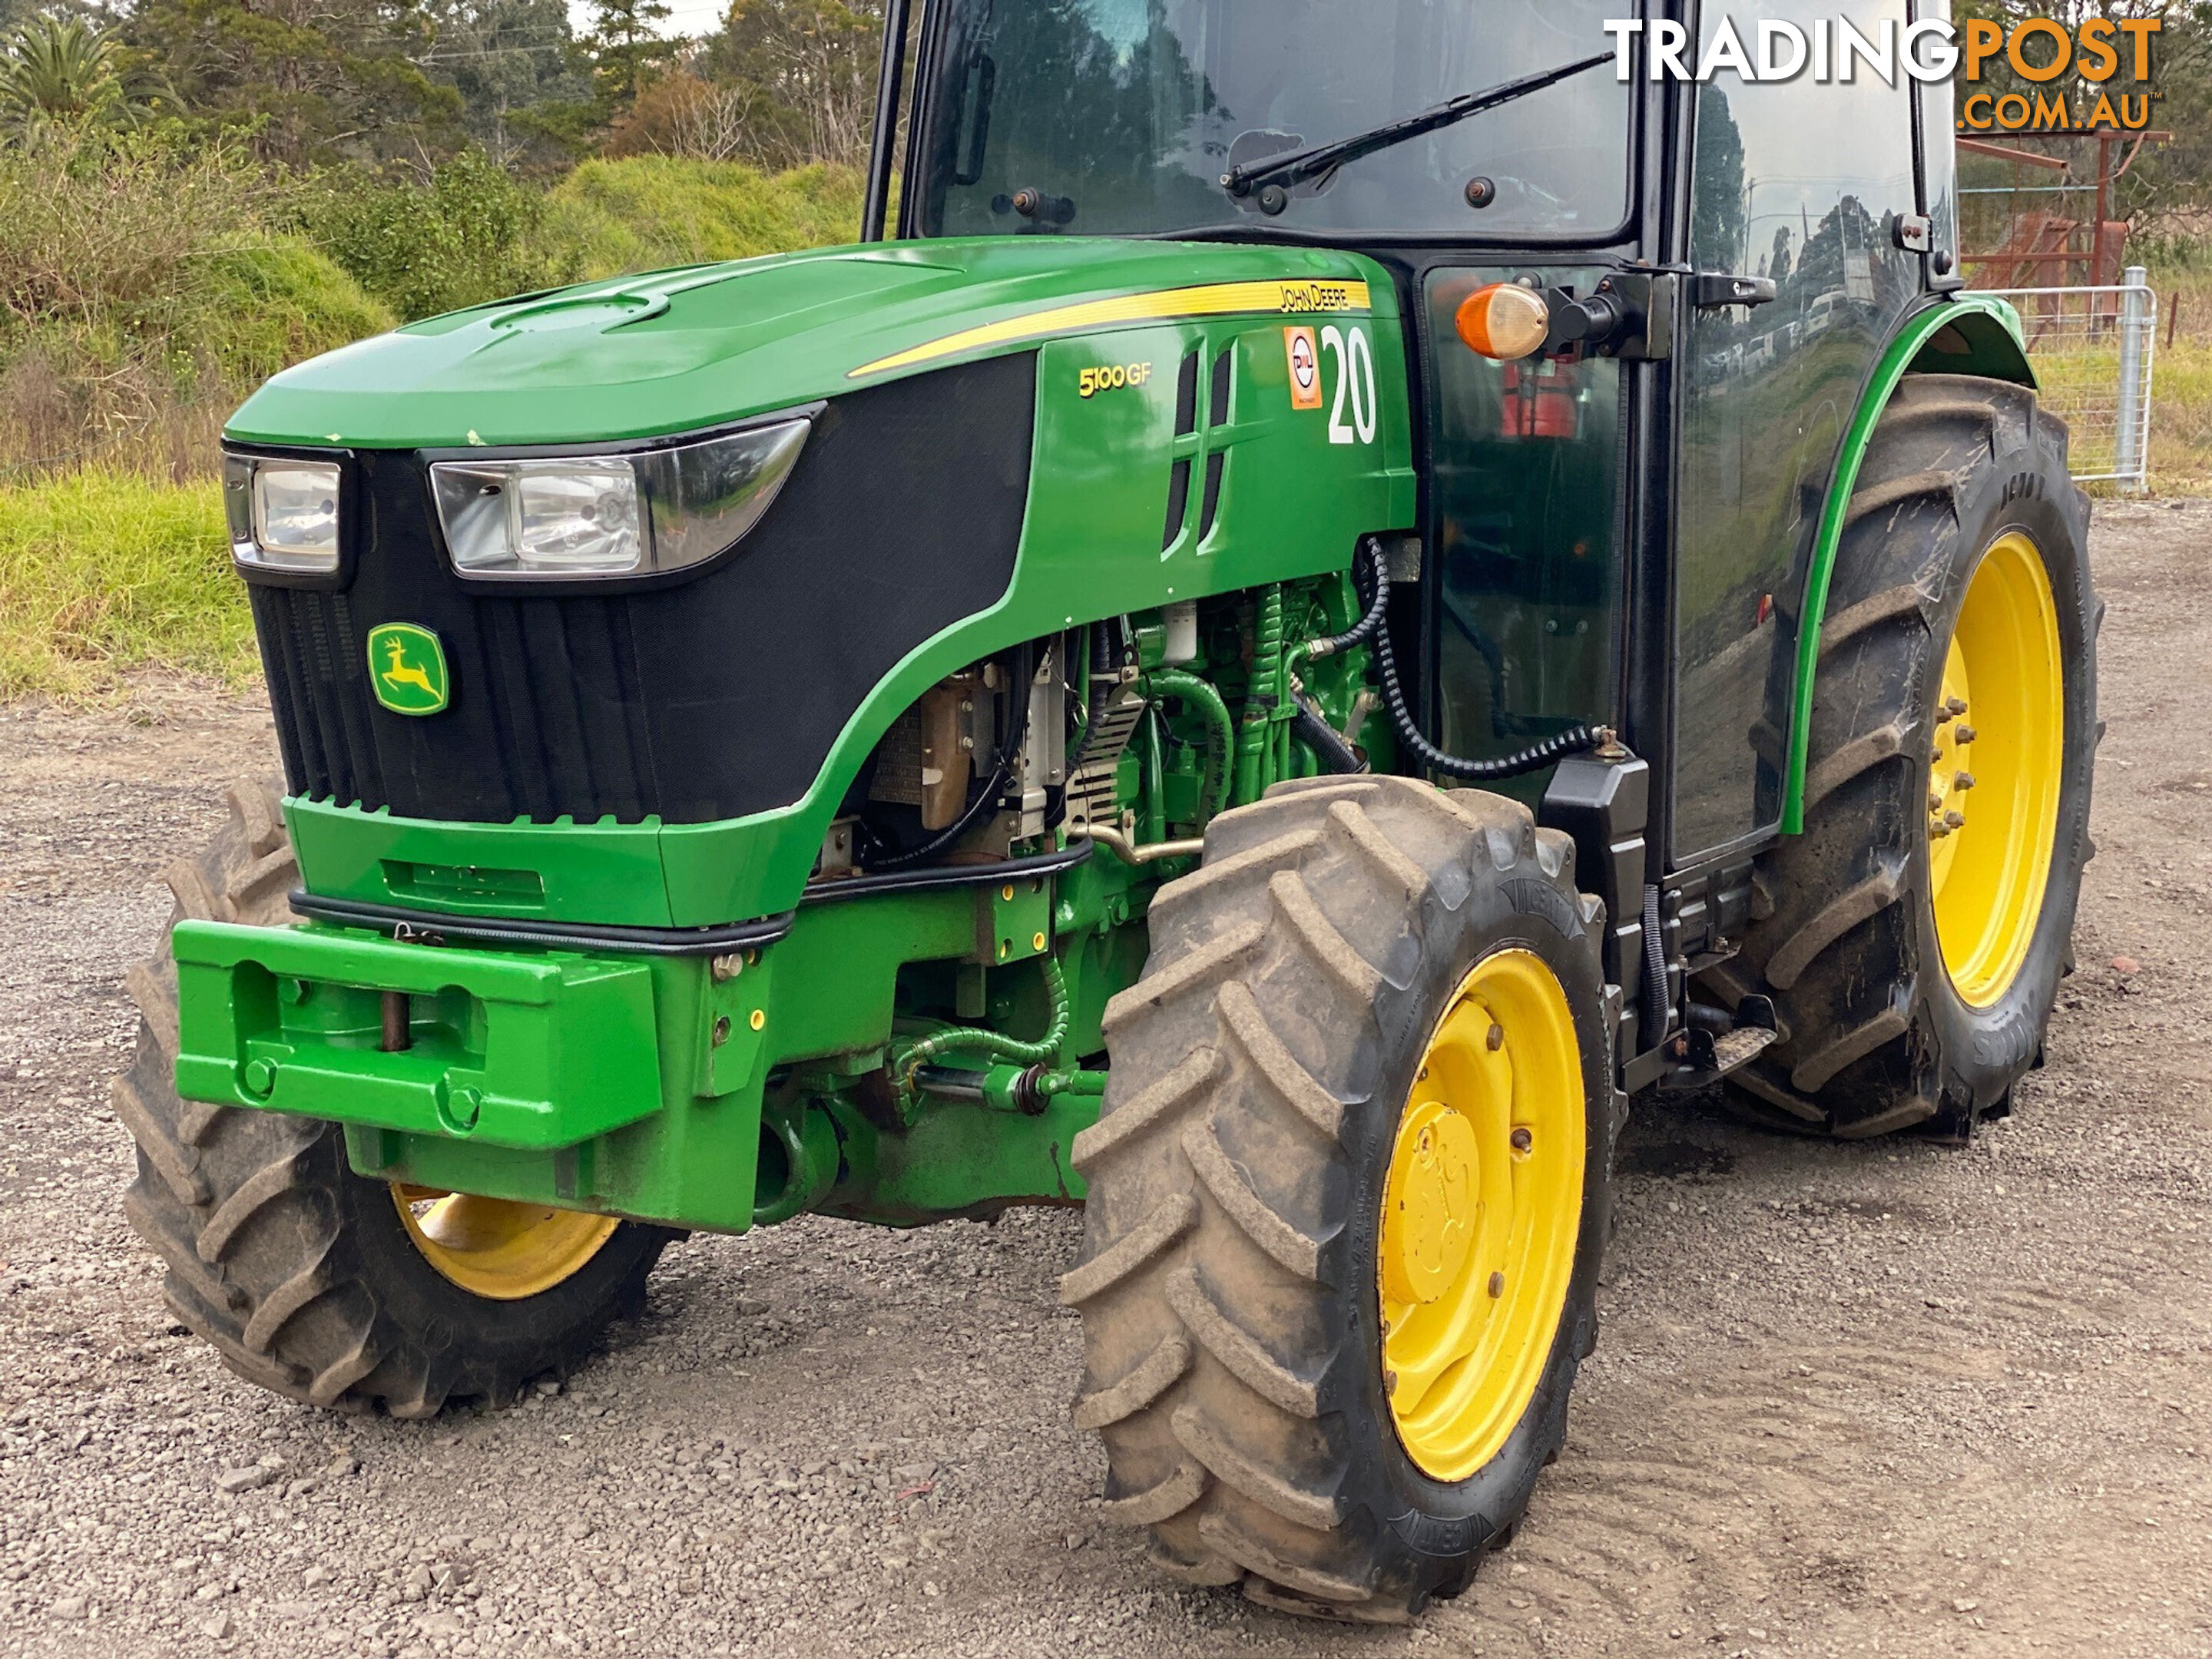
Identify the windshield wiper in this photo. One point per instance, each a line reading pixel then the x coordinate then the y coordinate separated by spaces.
pixel 1300 165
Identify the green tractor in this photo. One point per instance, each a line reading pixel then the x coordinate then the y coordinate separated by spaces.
pixel 1348 588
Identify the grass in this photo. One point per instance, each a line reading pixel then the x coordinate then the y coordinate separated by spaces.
pixel 2181 382
pixel 113 554
pixel 104 572
pixel 648 212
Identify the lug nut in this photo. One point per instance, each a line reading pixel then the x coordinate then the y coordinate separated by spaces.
pixel 1955 820
pixel 1938 830
pixel 1964 780
pixel 1523 1139
pixel 1964 735
pixel 1390 1382
pixel 1953 707
pixel 1934 802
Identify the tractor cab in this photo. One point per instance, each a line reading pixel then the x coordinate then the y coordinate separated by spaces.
pixel 1590 514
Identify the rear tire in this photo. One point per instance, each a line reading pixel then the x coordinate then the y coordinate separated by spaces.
pixel 1877 1033
pixel 1233 1340
pixel 303 1274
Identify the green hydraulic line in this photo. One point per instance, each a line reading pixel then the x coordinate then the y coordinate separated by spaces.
pixel 996 1044
pixel 1156 810
pixel 1255 741
pixel 1221 746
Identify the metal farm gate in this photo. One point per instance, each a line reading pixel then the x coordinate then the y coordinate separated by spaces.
pixel 2091 349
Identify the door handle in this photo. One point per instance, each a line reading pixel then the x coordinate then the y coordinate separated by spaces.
pixel 1710 289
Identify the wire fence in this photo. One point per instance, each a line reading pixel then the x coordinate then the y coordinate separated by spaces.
pixel 2093 351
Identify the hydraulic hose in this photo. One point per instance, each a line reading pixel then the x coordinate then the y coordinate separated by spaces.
pixel 1252 742
pixel 1365 629
pixel 978 810
pixel 1221 746
pixel 1328 744
pixel 1536 757
pixel 996 1045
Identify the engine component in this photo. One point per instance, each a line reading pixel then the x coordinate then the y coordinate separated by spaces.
pixel 1117 706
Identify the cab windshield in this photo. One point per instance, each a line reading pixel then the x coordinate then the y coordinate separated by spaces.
pixel 1120 116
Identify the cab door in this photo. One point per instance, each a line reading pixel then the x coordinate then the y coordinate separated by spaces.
pixel 1524 476
pixel 1800 183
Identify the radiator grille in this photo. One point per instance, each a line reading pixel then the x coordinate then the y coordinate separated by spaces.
pixel 707 700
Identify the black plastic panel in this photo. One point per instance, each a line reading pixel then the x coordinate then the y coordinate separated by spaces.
pixel 709 699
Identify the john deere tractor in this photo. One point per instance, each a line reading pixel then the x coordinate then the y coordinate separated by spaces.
pixel 1348 588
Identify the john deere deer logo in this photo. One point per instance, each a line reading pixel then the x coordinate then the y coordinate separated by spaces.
pixel 407 666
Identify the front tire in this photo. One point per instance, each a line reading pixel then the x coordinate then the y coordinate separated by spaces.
pixel 1913 937
pixel 316 1282
pixel 1349 1196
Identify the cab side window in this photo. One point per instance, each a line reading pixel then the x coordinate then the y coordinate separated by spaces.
pixel 1799 183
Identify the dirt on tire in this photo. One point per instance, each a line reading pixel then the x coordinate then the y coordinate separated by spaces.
pixel 1232 1359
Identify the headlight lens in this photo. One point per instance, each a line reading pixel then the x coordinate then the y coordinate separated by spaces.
pixel 615 515
pixel 283 515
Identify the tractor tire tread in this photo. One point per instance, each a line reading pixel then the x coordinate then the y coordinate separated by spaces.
pixel 1235 1070
pixel 1834 940
pixel 247 1209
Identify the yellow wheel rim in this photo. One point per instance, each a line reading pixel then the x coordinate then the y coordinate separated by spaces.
pixel 1481 1213
pixel 496 1248
pixel 1994 771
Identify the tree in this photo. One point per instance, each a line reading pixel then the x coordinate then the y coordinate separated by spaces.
pixel 64 72
pixel 625 51
pixel 524 78
pixel 802 73
pixel 2167 179
pixel 313 81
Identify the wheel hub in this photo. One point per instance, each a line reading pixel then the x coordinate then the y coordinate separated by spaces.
pixel 1431 1226
pixel 1481 1214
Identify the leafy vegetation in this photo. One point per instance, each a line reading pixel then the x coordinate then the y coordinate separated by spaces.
pixel 468 232
pixel 655 210
pixel 102 571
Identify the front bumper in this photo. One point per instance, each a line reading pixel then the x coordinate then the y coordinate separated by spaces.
pixel 531 1053
pixel 675 1089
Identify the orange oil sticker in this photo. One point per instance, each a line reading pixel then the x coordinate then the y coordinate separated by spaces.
pixel 1305 367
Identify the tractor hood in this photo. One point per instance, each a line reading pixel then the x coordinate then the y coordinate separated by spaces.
pixel 675 351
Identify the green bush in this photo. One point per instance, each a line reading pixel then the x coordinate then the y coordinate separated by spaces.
pixel 102 571
pixel 468 233
pixel 648 212
pixel 143 293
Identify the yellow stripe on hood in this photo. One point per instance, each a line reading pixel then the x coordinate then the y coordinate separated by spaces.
pixel 1161 305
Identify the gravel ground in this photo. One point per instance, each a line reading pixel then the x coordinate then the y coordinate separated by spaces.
pixel 1886 1399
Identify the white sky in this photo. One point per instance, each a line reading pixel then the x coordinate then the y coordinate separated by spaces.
pixel 685 17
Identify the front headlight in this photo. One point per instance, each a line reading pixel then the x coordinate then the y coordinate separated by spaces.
pixel 283 513
pixel 612 515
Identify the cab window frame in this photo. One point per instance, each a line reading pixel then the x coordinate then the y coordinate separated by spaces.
pixel 922 137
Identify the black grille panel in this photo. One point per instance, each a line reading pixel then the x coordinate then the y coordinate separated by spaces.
pixel 707 700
